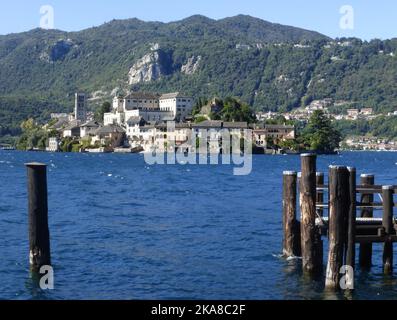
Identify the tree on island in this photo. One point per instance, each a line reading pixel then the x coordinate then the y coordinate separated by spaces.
pixel 236 110
pixel 33 136
pixel 230 109
pixel 101 110
pixel 320 135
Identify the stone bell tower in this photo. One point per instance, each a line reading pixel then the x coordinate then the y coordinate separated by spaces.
pixel 80 107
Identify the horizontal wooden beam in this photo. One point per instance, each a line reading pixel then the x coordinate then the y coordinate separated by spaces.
pixel 375 239
pixel 377 189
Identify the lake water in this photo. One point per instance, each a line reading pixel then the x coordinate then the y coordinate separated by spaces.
pixel 121 229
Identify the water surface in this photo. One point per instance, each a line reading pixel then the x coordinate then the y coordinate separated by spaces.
pixel 121 229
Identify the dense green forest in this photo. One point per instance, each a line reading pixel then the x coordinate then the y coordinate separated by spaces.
pixel 268 66
pixel 384 126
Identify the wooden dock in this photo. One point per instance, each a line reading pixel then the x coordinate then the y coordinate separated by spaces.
pixel 341 210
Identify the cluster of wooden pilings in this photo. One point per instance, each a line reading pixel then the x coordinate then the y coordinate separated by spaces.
pixel 342 225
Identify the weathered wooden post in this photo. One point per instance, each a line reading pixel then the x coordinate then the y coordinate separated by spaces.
pixel 351 227
pixel 365 255
pixel 320 193
pixel 307 197
pixel 387 223
pixel 338 212
pixel 39 236
pixel 291 240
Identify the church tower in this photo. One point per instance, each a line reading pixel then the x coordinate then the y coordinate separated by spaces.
pixel 80 107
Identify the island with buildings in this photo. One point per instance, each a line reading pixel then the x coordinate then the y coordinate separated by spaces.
pixel 137 122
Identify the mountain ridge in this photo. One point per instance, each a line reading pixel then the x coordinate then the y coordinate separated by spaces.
pixel 270 66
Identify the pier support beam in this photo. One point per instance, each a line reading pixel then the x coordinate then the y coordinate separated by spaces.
pixel 387 223
pixel 368 181
pixel 291 226
pixel 39 236
pixel 338 213
pixel 310 258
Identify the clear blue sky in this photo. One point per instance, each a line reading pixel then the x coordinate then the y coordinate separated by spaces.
pixel 373 19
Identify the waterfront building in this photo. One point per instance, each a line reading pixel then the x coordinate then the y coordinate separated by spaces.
pixel 133 128
pixel 280 132
pixel 164 137
pixel 89 129
pixel 72 130
pixel 53 144
pixel 112 135
pixel 214 132
pixel 259 137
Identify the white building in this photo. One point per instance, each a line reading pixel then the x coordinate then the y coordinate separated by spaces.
pixel 150 107
pixel 72 130
pixel 180 105
pixel 53 144
pixel 136 101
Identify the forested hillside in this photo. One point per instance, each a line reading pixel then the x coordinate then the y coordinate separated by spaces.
pixel 270 66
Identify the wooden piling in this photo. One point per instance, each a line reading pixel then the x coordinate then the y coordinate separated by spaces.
pixel 320 193
pixel 291 240
pixel 351 224
pixel 387 223
pixel 39 236
pixel 365 255
pixel 308 213
pixel 338 212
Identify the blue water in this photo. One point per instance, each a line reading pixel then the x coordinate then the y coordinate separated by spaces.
pixel 121 229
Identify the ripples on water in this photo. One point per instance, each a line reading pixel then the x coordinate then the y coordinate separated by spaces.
pixel 121 229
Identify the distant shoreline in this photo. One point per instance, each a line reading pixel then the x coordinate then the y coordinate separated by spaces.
pixel 254 154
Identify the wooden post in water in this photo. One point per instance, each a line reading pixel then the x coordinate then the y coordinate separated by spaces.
pixel 338 212
pixel 291 240
pixel 320 193
pixel 308 213
pixel 351 226
pixel 387 223
pixel 368 181
pixel 39 236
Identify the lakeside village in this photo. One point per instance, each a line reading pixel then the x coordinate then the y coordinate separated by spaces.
pixel 137 122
